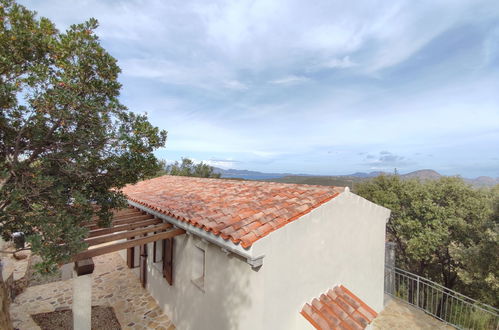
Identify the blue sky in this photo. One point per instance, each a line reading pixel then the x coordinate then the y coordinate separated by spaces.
pixel 319 87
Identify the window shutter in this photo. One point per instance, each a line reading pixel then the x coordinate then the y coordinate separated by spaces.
pixel 168 260
pixel 130 253
pixel 155 253
pixel 143 265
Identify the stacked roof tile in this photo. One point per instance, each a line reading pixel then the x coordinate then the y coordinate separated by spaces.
pixel 338 309
pixel 242 211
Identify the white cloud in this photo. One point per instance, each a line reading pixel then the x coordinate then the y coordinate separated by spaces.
pixel 225 164
pixel 491 46
pixel 236 85
pixel 261 35
pixel 205 75
pixel 222 76
pixel 290 80
pixel 221 163
pixel 265 154
pixel 340 63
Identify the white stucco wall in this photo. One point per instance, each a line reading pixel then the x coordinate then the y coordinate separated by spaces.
pixel 341 242
pixel 232 297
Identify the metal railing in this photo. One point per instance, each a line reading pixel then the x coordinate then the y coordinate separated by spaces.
pixel 442 303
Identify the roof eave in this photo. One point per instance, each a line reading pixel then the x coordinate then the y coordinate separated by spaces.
pixel 225 245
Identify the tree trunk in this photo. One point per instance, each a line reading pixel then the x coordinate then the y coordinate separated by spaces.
pixel 441 310
pixel 5 322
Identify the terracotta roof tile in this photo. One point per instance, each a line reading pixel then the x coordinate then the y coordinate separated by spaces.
pixel 338 309
pixel 242 211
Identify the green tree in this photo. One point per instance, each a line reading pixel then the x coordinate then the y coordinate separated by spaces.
pixel 441 228
pixel 479 262
pixel 66 142
pixel 188 168
pixel 162 165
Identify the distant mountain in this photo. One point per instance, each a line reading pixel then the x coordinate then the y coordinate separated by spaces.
pixel 248 175
pixel 422 175
pixel 343 180
pixel 483 181
pixel 366 175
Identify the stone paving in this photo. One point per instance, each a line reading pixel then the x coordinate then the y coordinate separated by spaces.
pixel 113 284
pixel 399 315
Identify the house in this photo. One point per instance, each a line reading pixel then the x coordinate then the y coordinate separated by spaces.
pixel 261 255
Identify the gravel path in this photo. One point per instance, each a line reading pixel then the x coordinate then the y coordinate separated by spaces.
pixel 102 318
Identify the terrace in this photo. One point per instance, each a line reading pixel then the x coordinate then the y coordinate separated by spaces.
pixel 113 285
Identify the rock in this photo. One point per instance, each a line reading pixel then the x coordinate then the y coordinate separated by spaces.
pixel 20 255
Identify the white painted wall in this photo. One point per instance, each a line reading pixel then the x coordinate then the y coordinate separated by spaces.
pixel 341 242
pixel 232 297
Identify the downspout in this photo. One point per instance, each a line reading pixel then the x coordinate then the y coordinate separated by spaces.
pixel 226 245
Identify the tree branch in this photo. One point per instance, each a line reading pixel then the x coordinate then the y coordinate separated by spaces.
pixel 13 252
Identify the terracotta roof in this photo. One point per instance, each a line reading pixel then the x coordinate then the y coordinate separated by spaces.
pixel 338 309
pixel 242 211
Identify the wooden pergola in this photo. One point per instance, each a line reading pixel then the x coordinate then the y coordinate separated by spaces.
pixel 129 228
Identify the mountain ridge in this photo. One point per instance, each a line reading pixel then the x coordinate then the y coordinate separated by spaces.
pixel 348 179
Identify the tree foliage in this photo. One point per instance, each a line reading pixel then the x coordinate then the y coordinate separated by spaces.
pixel 480 261
pixel 444 230
pixel 188 168
pixel 66 142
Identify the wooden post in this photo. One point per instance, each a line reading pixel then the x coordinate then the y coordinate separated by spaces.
pixel 130 255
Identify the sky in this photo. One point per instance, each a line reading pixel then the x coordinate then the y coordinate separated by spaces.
pixel 316 87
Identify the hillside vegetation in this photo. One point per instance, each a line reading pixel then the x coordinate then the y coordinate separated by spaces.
pixel 444 230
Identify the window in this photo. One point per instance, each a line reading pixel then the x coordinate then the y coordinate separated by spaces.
pixel 158 251
pixel 198 266
pixel 163 258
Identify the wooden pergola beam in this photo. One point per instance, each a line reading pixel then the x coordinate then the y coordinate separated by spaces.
pixel 121 213
pixel 132 214
pixel 118 217
pixel 130 226
pixel 125 211
pixel 128 244
pixel 115 222
pixel 126 234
